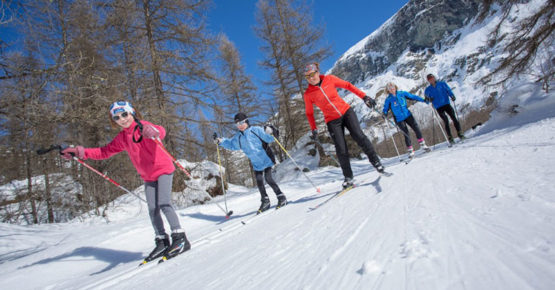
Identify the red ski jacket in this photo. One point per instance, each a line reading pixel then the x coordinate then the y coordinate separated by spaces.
pixel 149 160
pixel 326 98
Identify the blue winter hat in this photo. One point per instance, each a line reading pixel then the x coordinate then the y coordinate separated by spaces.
pixel 121 106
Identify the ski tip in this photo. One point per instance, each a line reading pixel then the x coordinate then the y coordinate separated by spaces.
pixel 143 263
pixel 243 222
pixel 163 260
pixel 318 190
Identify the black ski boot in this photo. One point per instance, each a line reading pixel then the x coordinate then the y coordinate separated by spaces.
pixel 162 244
pixel 282 201
pixel 461 136
pixel 179 245
pixel 348 182
pixel 375 161
pixel 264 206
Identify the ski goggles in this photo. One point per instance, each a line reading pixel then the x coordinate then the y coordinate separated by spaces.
pixel 123 115
pixel 239 123
pixel 311 75
pixel 121 106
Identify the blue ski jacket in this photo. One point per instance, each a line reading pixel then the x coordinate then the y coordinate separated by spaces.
pixel 398 105
pixel 439 94
pixel 251 145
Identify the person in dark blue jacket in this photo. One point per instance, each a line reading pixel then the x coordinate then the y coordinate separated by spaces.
pixel 397 102
pixel 250 140
pixel 439 93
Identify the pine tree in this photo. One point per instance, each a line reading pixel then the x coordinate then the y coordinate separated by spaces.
pixel 534 33
pixel 290 41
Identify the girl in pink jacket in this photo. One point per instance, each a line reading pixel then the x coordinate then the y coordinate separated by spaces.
pixel 153 165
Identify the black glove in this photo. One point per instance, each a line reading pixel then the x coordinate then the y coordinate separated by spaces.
pixel 215 136
pixel 453 98
pixel 314 135
pixel 370 103
pixel 428 99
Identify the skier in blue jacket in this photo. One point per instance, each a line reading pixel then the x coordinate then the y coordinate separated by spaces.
pixel 397 102
pixel 439 93
pixel 250 140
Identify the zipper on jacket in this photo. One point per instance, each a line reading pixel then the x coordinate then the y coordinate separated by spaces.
pixel 330 101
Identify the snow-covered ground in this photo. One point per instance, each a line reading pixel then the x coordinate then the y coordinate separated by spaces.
pixel 479 215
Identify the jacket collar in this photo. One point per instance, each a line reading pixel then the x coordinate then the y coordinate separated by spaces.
pixel 313 87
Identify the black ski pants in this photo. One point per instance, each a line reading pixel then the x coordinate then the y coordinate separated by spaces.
pixel 266 174
pixel 414 126
pixel 336 128
pixel 443 111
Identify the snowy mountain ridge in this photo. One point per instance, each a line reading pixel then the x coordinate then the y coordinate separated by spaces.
pixel 461 57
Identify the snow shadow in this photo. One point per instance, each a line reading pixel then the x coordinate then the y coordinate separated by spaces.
pixel 376 184
pixel 18 254
pixel 110 256
pixel 313 197
pixel 216 218
pixel 11 256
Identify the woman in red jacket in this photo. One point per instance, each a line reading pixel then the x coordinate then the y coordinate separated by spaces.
pixel 153 165
pixel 338 115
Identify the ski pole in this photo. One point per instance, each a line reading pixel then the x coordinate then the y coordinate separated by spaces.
pixel 436 118
pixel 393 139
pixel 457 114
pixel 309 180
pixel 434 132
pixel 161 146
pixel 106 177
pixel 221 177
pixel 60 148
pixel 395 124
pixel 330 155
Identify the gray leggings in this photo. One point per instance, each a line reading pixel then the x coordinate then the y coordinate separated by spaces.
pixel 158 197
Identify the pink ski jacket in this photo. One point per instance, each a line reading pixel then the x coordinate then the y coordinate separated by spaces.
pixel 149 160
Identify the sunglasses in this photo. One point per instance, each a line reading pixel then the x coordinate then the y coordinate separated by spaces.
pixel 311 75
pixel 123 115
pixel 241 122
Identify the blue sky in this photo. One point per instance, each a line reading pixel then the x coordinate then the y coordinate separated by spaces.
pixel 345 22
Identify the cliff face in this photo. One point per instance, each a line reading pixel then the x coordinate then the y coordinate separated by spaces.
pixel 417 26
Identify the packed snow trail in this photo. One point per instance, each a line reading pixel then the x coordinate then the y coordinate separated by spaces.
pixel 475 216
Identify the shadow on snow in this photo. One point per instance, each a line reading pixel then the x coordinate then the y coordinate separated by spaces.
pixel 112 257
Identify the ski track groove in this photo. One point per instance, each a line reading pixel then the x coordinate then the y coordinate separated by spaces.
pixel 404 198
pixel 336 253
pixel 340 250
pixel 381 277
pixel 207 239
pixel 450 253
pixel 202 241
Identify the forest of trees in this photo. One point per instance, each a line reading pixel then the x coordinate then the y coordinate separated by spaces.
pixel 71 59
